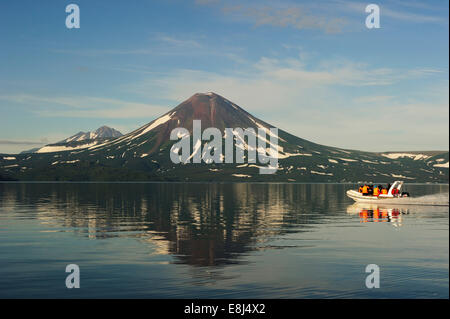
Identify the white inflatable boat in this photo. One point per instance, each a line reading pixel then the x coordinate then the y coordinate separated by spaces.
pixel 359 197
pixel 393 197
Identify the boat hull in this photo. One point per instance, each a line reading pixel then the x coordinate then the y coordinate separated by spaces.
pixel 358 197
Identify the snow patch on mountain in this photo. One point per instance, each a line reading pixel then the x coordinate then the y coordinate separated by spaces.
pixel 265 128
pixel 321 173
pixel 62 148
pixel 347 159
pixel 370 162
pixel 156 123
pixel 65 162
pixel 415 157
pixel 286 155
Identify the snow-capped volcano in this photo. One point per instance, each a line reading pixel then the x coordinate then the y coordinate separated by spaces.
pixel 144 154
pixel 211 109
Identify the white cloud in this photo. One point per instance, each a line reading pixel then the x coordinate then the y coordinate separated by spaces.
pixel 295 16
pixel 270 79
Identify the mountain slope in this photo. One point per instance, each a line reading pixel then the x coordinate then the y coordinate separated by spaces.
pixel 144 154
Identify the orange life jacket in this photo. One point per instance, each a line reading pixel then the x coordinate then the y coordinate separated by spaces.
pixel 365 189
pixel 384 191
pixel 376 191
pixel 360 189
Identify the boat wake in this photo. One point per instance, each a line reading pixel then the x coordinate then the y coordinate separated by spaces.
pixel 441 199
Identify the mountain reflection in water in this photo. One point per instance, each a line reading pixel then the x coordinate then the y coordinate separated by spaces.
pixel 201 224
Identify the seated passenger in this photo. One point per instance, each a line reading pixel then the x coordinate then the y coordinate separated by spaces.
pixel 376 191
pixel 365 190
pixel 384 191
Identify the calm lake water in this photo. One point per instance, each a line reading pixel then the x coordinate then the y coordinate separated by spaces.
pixel 158 240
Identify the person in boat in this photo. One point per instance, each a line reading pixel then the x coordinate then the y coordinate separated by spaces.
pixel 370 190
pixel 360 188
pixel 365 190
pixel 384 191
pixel 376 190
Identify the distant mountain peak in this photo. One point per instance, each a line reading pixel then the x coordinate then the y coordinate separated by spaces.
pixel 103 132
pixel 80 140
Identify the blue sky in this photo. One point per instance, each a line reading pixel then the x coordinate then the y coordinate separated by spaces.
pixel 311 68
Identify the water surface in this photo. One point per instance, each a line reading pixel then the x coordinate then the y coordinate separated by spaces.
pixel 169 240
